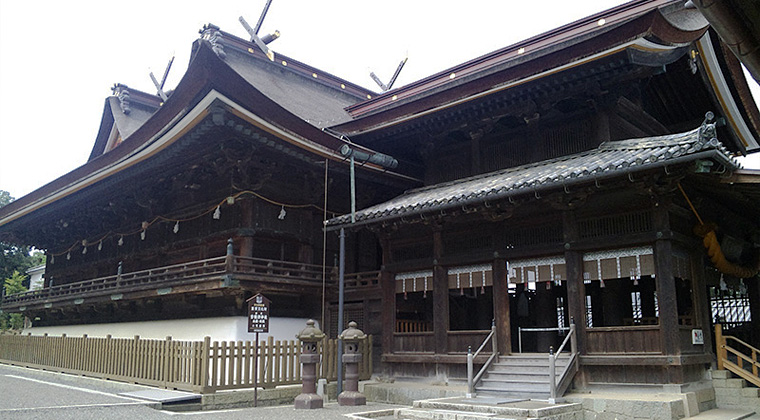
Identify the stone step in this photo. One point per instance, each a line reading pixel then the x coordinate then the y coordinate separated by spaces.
pixel 489 408
pixel 515 387
pixel 527 374
pixel 723 414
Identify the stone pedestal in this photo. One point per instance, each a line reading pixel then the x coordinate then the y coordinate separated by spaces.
pixel 351 358
pixel 309 337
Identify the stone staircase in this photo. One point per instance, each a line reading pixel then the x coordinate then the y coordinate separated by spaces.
pixel 524 375
pixel 489 408
pixel 733 392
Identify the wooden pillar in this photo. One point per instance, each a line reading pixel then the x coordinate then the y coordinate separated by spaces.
pixel 501 306
pixel 440 296
pixel 576 296
pixel 388 299
pixel 753 290
pixel 545 316
pixel 576 289
pixel 702 311
pixel 246 246
pixel 666 288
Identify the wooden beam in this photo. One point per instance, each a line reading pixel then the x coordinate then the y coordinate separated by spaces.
pixel 440 296
pixel 666 288
pixel 501 306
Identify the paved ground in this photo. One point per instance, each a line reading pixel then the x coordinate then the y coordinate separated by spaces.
pixel 34 394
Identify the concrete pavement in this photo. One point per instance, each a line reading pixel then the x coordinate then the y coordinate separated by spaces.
pixel 34 394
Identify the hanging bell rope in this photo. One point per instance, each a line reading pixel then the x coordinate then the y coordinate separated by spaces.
pixel 710 241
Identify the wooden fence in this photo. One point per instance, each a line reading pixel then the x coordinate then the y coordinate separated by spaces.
pixel 195 366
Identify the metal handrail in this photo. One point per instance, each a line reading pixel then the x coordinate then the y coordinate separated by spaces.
pixel 520 330
pixel 472 380
pixel 571 364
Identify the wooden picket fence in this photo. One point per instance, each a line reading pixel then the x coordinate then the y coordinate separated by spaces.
pixel 195 366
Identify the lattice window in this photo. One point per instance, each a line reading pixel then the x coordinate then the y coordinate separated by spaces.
pixel 350 313
pixel 636 307
pixel 616 225
pixel 732 305
pixel 412 252
pixel 548 233
pixel 464 243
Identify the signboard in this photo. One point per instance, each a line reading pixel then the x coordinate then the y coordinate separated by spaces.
pixel 697 337
pixel 258 314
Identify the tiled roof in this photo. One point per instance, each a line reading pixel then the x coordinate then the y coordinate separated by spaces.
pixel 609 159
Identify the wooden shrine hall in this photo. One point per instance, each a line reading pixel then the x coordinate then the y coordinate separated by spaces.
pixel 581 183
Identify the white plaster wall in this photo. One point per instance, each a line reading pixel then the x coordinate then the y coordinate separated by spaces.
pixel 219 329
pixel 36 281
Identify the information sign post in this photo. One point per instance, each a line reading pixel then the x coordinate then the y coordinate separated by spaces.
pixel 258 322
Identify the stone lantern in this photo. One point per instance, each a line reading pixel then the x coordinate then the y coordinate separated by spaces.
pixel 309 337
pixel 351 358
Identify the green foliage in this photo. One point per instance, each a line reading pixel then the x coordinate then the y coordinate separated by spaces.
pixel 14 261
pixel 16 258
pixel 13 285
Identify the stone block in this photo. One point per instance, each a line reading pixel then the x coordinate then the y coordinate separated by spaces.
pixel 691 406
pixel 719 383
pixel 736 383
pixel 751 392
pixel 720 374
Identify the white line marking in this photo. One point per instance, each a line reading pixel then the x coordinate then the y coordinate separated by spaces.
pixel 7 410
pixel 76 388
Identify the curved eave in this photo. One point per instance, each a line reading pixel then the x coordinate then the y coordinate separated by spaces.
pixel 745 131
pixel 208 81
pixel 612 160
pixel 563 48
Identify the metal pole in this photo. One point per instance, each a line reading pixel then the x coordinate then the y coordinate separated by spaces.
pixel 552 377
pixel 341 285
pixel 470 373
pixel 353 192
pixel 256 371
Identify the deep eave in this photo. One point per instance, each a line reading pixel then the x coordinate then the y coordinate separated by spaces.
pixel 568 45
pixel 609 160
pixel 208 77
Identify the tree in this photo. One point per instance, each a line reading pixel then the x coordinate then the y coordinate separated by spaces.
pixel 12 285
pixel 15 258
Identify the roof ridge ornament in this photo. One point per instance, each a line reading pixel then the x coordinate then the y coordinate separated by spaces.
pixel 122 93
pixel 211 33
pixel 254 33
pixel 708 133
pixel 388 87
pixel 160 85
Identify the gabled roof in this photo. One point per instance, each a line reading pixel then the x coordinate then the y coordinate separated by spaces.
pixel 610 159
pixel 656 26
pixel 230 86
pixel 123 113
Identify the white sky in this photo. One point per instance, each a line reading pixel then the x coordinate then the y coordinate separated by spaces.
pixel 59 59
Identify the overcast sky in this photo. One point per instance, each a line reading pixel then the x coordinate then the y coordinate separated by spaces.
pixel 59 59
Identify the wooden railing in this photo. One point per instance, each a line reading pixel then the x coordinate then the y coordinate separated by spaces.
pixel 240 267
pixel 151 278
pixel 362 280
pixel 739 358
pixel 195 366
pixel 259 267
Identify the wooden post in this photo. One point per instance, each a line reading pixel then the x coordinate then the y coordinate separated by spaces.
pixel 720 345
pixel 388 299
pixel 576 289
pixel 501 306
pixel 204 375
pixel 440 296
